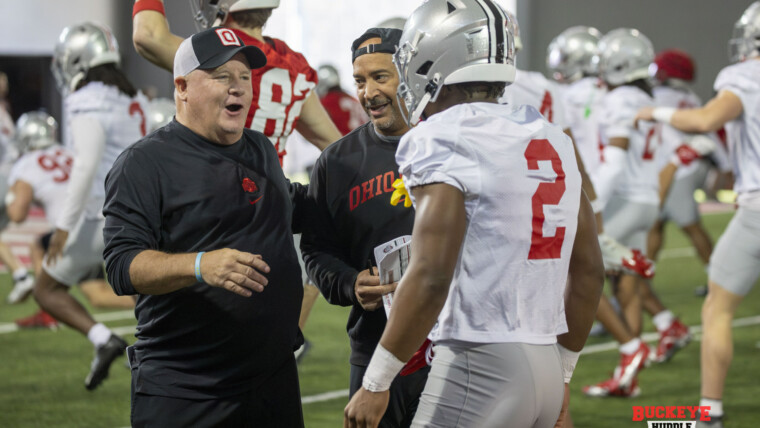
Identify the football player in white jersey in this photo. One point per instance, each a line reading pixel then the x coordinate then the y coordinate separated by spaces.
pixel 104 115
pixel 484 268
pixel 627 184
pixel 40 176
pixel 735 262
pixel 674 70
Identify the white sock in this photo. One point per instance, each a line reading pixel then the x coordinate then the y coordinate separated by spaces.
pixel 663 320
pixel 631 346
pixel 19 273
pixel 99 335
pixel 716 406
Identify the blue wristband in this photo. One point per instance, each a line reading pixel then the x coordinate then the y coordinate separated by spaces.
pixel 198 276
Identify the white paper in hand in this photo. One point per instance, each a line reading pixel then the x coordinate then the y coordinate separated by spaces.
pixel 392 258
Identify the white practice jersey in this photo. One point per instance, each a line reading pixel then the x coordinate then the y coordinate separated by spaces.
pixel 521 188
pixel 672 138
pixel 534 89
pixel 640 182
pixel 582 100
pixel 743 80
pixel 123 120
pixel 47 172
pixel 7 135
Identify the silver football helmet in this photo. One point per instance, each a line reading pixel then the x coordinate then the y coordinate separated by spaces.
pixel 328 78
pixel 36 130
pixel 448 42
pixel 570 56
pixel 745 42
pixel 210 13
pixel 625 55
pixel 80 48
pixel 160 112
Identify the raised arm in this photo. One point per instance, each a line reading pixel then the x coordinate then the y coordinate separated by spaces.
pixel 315 124
pixel 151 36
pixel 725 107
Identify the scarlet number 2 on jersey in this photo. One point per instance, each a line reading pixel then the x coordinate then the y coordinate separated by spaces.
pixel 545 247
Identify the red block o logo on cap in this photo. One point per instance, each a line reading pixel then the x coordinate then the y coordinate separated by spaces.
pixel 227 37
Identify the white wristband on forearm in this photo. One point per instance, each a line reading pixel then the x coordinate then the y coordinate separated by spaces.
pixel 382 369
pixel 597 205
pixel 569 360
pixel 663 114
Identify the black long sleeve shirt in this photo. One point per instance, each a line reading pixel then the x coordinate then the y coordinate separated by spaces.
pixel 350 214
pixel 176 192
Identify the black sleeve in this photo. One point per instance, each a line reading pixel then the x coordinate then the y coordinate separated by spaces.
pixel 322 252
pixel 133 216
pixel 298 195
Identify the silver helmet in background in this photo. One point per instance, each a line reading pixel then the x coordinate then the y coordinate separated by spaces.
pixel 160 112
pixel 745 42
pixel 210 13
pixel 448 42
pixel 36 130
pixel 571 55
pixel 625 55
pixel 80 48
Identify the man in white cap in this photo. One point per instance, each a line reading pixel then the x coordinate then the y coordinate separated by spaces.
pixel 198 224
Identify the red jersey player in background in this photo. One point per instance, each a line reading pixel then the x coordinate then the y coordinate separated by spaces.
pixel 283 96
pixel 344 110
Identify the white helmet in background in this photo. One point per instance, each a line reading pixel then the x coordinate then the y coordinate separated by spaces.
pixel 36 130
pixel 448 42
pixel 160 112
pixel 396 22
pixel 624 56
pixel 80 48
pixel 570 56
pixel 328 79
pixel 210 13
pixel 745 42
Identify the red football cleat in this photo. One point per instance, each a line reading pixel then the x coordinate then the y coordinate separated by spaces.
pixel 41 319
pixel 672 339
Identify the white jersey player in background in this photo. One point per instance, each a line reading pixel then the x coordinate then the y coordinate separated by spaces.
pixel 674 71
pixel 735 263
pixel 500 219
pixel 22 280
pixel 40 177
pixel 104 114
pixel 627 186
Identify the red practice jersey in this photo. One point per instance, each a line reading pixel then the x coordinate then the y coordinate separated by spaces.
pixel 344 110
pixel 279 90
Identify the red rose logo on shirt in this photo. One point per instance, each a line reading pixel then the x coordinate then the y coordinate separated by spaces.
pixel 249 186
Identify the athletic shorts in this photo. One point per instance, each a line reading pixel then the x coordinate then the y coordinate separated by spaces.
pixel 629 222
pixel 492 385
pixel 735 261
pixel 680 206
pixel 82 257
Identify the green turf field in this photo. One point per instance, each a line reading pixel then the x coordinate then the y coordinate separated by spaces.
pixel 42 372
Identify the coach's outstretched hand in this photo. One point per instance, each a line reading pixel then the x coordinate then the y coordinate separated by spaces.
pixel 365 409
pixel 235 271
